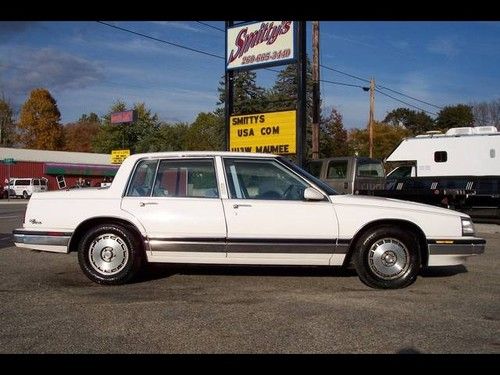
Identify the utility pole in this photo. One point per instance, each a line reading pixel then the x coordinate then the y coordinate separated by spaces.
pixel 372 111
pixel 228 95
pixel 316 90
pixel 301 91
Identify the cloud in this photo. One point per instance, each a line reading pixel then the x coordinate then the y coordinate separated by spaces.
pixel 446 46
pixel 47 67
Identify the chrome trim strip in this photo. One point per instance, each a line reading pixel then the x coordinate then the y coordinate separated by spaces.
pixel 188 246
pixel 273 247
pixel 456 249
pixel 41 240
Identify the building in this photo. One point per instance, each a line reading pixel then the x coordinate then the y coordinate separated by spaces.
pixel 62 169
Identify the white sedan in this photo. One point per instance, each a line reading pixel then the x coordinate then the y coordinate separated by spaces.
pixel 241 208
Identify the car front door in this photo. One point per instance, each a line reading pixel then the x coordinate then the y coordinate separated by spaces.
pixel 268 220
pixel 177 201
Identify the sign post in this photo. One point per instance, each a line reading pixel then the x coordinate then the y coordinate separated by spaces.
pixel 8 162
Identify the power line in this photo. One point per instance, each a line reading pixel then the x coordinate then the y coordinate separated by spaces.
pixel 161 40
pixel 212 26
pixel 344 73
pixel 411 97
pixel 344 84
pixel 411 105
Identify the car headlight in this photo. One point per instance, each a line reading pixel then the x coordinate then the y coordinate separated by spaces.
pixel 467 227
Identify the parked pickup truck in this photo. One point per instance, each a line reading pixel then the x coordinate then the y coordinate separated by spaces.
pixel 240 208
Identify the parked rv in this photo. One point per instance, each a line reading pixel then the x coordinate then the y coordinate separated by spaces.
pixel 459 170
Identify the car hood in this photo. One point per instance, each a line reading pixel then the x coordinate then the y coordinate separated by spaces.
pixel 364 201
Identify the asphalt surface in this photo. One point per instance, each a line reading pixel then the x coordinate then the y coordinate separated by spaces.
pixel 47 305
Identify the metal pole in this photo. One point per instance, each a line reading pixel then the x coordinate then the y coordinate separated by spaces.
pixel 229 95
pixel 372 109
pixel 302 99
pixel 8 183
pixel 316 91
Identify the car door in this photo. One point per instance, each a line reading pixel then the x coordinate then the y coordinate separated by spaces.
pixel 268 220
pixel 177 201
pixel 338 175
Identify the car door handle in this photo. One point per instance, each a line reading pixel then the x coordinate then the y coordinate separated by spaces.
pixel 142 204
pixel 241 205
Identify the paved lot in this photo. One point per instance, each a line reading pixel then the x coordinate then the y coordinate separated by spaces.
pixel 48 306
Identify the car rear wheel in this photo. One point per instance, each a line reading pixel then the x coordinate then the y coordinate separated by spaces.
pixel 25 195
pixel 110 254
pixel 387 257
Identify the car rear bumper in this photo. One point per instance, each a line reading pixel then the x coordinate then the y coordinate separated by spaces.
pixel 45 241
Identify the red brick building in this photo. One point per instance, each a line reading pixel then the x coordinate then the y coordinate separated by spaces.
pixel 62 169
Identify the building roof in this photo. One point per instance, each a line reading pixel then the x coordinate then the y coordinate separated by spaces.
pixel 22 154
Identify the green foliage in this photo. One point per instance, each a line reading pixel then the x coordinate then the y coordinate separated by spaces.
pixel 248 96
pixel 333 136
pixel 39 122
pixel 385 139
pixel 415 122
pixel 135 136
pixel 454 117
pixel 207 132
pixel 7 126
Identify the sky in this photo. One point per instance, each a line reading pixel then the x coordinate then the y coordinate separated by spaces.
pixel 88 66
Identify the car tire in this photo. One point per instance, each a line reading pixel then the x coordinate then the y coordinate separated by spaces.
pixel 387 257
pixel 110 254
pixel 25 195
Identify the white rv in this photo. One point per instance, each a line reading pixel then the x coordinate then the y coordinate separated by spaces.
pixel 459 152
pixel 459 169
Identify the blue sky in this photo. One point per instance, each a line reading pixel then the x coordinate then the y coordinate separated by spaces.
pixel 87 66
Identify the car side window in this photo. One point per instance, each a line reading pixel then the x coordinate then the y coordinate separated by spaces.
pixel 143 178
pixel 186 179
pixel 262 179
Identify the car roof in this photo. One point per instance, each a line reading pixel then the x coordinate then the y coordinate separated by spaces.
pixel 202 154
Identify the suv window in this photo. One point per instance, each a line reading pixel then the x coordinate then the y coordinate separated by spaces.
pixel 314 168
pixel 370 169
pixel 36 182
pixel 22 183
pixel 337 169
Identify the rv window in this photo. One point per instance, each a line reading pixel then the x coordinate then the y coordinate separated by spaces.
pixel 440 156
pixel 337 169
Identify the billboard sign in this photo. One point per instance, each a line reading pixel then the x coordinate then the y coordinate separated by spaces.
pixel 272 132
pixel 123 117
pixel 258 44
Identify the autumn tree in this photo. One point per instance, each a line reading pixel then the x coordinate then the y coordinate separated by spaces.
pixel 456 116
pixel 7 126
pixel 79 136
pixel 333 136
pixel 415 122
pixel 385 139
pixel 39 122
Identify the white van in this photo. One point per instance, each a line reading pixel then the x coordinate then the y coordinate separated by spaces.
pixel 25 187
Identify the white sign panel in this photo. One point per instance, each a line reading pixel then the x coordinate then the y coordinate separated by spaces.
pixel 260 43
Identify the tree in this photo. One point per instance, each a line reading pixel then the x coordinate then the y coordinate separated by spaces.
pixel 135 136
pixel 333 136
pixel 487 113
pixel 207 132
pixel 454 117
pixel 415 122
pixel 7 126
pixel 248 96
pixel 88 125
pixel 168 137
pixel 39 122
pixel 385 139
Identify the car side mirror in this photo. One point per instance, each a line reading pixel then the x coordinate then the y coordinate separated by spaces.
pixel 311 194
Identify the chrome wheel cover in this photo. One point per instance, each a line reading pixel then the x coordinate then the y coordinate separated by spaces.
pixel 108 254
pixel 388 258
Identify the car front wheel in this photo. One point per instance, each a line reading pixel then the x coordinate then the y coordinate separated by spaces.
pixel 387 257
pixel 110 254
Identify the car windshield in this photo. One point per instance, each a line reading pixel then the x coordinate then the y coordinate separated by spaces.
pixel 322 185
